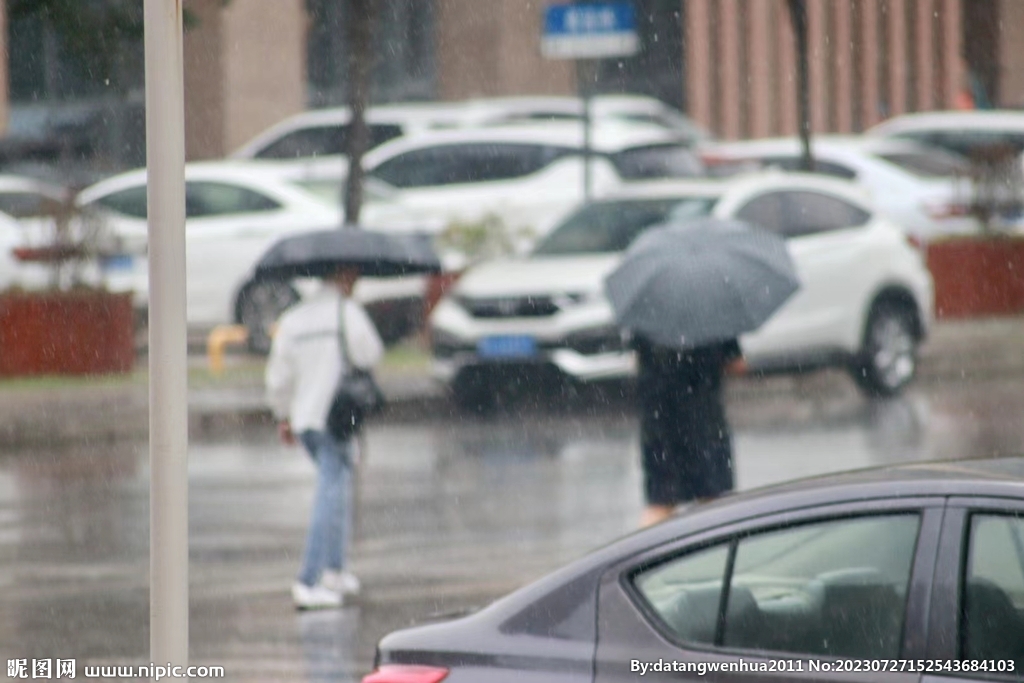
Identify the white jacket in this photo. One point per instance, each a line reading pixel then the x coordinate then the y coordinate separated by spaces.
pixel 305 361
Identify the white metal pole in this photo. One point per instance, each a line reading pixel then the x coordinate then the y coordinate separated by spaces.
pixel 168 362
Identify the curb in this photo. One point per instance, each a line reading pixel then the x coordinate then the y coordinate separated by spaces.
pixel 109 414
pixel 34 416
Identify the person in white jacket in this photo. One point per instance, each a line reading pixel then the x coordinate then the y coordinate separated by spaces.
pixel 302 373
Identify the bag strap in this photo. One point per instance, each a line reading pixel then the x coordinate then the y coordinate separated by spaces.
pixel 343 338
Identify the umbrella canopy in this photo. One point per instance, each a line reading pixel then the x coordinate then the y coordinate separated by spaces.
pixel 376 254
pixel 702 281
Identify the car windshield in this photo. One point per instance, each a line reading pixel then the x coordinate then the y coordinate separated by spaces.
pixel 932 163
pixel 612 226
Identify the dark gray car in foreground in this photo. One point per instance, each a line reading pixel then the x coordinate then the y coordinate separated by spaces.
pixel 911 573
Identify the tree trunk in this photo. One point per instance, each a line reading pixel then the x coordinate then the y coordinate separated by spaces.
pixel 798 15
pixel 359 32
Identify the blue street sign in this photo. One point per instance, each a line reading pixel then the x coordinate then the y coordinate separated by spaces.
pixel 589 31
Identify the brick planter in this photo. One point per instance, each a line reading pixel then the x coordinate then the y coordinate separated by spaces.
pixel 977 276
pixel 66 333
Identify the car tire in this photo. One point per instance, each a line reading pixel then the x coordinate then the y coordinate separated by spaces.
pixel 258 308
pixel 888 358
pixel 474 392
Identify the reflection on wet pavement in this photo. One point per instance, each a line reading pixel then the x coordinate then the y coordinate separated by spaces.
pixel 451 513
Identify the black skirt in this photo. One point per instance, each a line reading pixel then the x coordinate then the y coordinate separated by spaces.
pixel 685 443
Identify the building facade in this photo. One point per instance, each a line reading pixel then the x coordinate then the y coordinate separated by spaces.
pixel 730 64
pixel 869 60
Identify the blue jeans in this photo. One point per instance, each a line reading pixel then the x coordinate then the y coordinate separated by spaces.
pixel 331 522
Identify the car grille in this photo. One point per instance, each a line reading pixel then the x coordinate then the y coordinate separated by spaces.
pixel 511 307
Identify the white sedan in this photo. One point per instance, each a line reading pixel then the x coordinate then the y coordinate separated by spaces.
pixel 865 302
pixel 963 132
pixel 234 212
pixel 324 132
pixel 925 190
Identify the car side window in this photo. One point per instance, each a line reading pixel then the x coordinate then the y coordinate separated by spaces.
pixel 130 202
pixel 766 211
pixel 416 168
pixel 992 595
pixel 810 213
pixel 465 163
pixel 482 163
pixel 686 593
pixel 381 133
pixel 217 199
pixel 833 588
pixel 827 588
pixel 307 142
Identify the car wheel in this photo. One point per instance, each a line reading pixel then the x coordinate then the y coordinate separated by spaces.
pixel 258 308
pixel 888 360
pixel 474 392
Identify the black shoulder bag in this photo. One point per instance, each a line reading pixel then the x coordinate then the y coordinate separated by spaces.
pixel 357 395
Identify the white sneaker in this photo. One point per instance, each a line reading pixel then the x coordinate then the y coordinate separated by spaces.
pixel 314 597
pixel 342 582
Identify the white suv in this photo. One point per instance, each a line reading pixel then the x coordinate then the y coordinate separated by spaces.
pixel 865 301
pixel 925 190
pixel 528 175
pixel 324 132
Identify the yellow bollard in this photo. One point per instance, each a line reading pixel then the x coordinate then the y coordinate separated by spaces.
pixel 221 336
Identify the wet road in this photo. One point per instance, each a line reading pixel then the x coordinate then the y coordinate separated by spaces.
pixel 452 512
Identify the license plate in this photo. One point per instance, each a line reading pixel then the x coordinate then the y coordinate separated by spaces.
pixel 509 346
pixel 119 262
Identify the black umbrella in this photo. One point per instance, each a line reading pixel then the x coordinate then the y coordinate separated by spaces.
pixel 321 253
pixel 707 280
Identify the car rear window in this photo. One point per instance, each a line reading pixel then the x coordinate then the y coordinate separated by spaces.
pixel 323 140
pixel 658 161
pixel 969 143
pixel 796 164
pixel 129 202
pixel 26 204
pixel 608 227
pixel 929 164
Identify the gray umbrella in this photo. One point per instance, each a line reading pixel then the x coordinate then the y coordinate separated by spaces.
pixel 376 254
pixel 702 281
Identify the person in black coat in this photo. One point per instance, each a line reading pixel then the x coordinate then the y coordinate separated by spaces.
pixel 685 442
